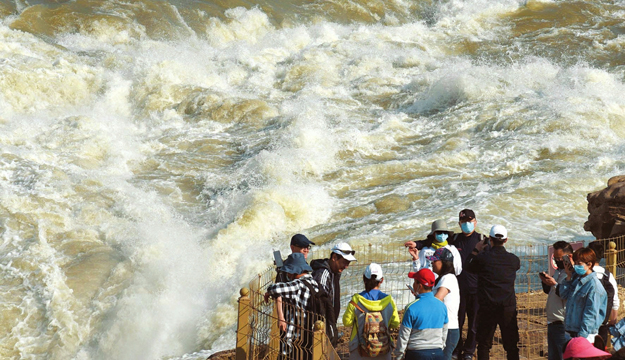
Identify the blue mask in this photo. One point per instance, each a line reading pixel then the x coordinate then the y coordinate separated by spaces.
pixel 467 227
pixel 441 237
pixel 579 269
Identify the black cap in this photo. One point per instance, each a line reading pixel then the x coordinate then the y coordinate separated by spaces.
pixel 466 214
pixel 301 241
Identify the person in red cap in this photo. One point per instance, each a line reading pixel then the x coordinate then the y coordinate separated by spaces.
pixel 423 329
pixel 581 348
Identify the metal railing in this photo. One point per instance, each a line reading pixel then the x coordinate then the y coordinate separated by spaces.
pixel 258 336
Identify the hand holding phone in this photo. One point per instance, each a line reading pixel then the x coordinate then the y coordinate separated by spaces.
pixel 411 289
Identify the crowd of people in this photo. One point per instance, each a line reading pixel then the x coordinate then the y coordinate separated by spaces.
pixel 457 278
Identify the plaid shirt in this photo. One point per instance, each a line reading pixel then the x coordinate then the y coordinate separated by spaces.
pixel 297 294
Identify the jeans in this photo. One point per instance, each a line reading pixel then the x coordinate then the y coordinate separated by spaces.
pixel 488 319
pixel 556 338
pixel 429 354
pixel 469 306
pixel 452 340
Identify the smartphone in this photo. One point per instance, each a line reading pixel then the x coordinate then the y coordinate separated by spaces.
pixel 567 260
pixel 542 274
pixel 411 288
pixel 277 258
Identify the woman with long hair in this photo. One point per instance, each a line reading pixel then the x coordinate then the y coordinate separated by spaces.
pixel 446 290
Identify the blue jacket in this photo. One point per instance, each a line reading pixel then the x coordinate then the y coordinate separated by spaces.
pixel 586 303
pixel 424 325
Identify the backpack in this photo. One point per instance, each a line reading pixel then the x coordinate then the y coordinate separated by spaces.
pixel 609 289
pixel 375 339
pixel 321 304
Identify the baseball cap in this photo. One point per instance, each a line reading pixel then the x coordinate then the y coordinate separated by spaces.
pixel 301 241
pixel 296 264
pixel 345 251
pixel 424 277
pixel 499 231
pixel 466 214
pixel 374 269
pixel 441 254
pixel 580 347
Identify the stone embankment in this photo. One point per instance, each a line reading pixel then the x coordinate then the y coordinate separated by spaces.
pixel 606 210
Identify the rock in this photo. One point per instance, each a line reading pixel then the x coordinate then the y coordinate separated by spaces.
pixel 606 210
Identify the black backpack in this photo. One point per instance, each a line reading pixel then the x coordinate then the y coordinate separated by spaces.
pixel 321 304
pixel 609 289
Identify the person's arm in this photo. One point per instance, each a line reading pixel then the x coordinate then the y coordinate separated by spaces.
pixel 441 292
pixel 323 278
pixel 594 312
pixel 288 290
pixel 350 315
pixel 402 340
pixel 281 320
pixel 394 322
pixel 565 288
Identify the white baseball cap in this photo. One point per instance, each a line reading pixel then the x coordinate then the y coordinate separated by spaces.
pixel 499 231
pixel 345 251
pixel 374 269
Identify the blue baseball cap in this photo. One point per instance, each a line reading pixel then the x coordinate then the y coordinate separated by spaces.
pixel 296 264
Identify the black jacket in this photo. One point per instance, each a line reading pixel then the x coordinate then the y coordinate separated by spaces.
pixel 496 272
pixel 329 281
pixel 465 244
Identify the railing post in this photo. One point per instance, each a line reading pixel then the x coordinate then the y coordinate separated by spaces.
pixel 243 325
pixel 274 335
pixel 318 340
pixel 610 258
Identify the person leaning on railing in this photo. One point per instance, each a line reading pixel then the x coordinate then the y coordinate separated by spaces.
pixel 371 340
pixel 296 292
pixel 586 300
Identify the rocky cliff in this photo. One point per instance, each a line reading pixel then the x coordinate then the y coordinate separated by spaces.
pixel 607 210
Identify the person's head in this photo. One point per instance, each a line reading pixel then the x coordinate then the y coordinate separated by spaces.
pixel 597 247
pixel 440 232
pixel 373 276
pixel 498 235
pixel 301 244
pixel 581 348
pixel 423 280
pixel 467 221
pixel 584 260
pixel 561 248
pixel 342 254
pixel 295 266
pixel 442 262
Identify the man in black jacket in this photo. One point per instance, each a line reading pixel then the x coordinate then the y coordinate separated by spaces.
pixel 467 282
pixel 496 273
pixel 327 272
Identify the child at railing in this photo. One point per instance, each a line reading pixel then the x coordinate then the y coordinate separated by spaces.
pixel 371 314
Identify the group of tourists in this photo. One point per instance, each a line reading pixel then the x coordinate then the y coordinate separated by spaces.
pixel 456 276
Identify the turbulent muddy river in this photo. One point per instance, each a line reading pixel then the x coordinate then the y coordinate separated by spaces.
pixel 154 153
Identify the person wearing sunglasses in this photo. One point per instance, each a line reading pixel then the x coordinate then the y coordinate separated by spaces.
pixel 327 272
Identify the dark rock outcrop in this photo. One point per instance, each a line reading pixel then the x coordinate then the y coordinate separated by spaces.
pixel 607 210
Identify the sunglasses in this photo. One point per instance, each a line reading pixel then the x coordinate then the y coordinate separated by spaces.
pixel 347 252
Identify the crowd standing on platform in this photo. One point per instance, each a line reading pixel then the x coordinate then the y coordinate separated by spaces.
pixel 459 278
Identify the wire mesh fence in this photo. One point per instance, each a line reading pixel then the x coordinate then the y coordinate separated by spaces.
pixel 266 341
pixel 259 335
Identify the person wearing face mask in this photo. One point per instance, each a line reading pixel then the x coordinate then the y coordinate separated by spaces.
pixel 586 300
pixel 556 306
pixel 465 243
pixel 436 239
